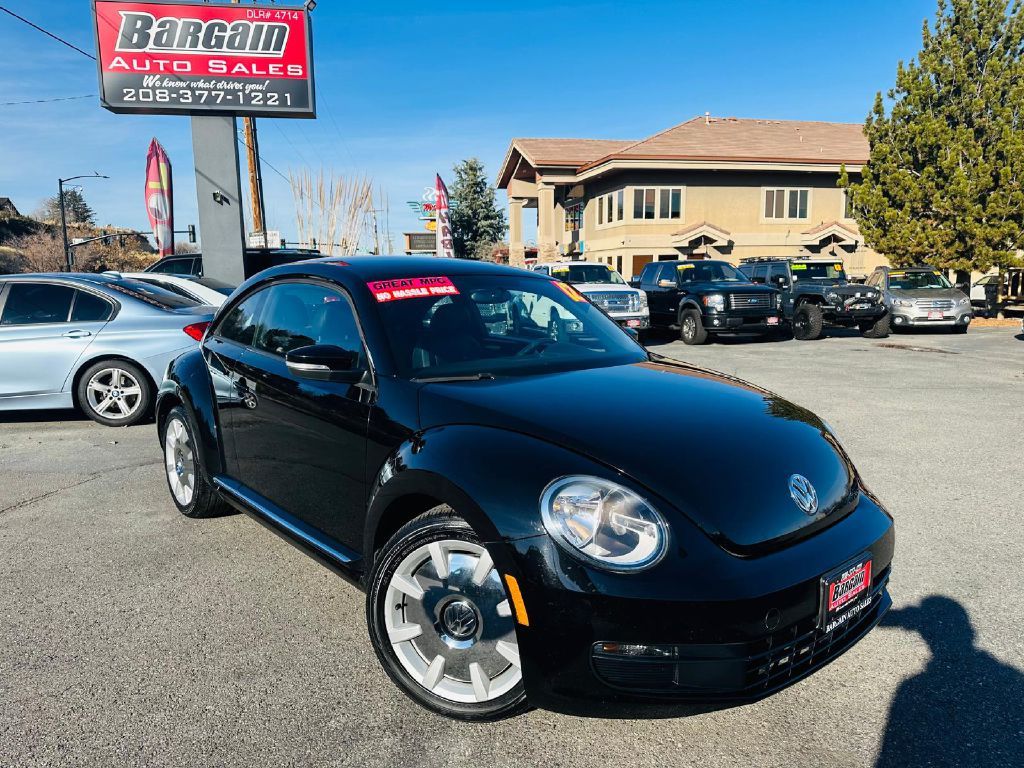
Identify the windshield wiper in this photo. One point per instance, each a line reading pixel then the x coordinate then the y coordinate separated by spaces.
pixel 465 377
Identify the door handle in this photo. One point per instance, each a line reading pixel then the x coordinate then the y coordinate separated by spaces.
pixel 76 334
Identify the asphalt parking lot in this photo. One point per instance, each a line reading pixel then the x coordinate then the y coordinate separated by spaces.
pixel 130 635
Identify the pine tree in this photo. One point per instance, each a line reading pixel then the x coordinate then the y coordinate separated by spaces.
pixel 76 208
pixel 476 218
pixel 943 184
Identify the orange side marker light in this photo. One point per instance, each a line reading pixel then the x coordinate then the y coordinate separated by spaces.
pixel 518 606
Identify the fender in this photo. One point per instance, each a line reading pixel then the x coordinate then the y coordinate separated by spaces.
pixel 688 302
pixel 188 381
pixel 494 478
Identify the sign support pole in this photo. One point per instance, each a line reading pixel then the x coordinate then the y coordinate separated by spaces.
pixel 219 193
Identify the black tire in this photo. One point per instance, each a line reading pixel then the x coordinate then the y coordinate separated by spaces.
pixel 204 501
pixel 877 329
pixel 808 320
pixel 691 328
pixel 960 328
pixel 439 524
pixel 127 388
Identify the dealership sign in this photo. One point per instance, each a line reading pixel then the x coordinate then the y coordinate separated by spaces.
pixel 201 59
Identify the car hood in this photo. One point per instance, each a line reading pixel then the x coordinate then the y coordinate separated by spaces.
pixel 928 293
pixel 727 287
pixel 719 450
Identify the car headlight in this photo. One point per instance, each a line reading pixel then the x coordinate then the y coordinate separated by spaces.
pixel 902 302
pixel 963 301
pixel 832 296
pixel 715 301
pixel 643 299
pixel 604 523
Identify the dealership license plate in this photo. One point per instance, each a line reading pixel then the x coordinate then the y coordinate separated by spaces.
pixel 861 306
pixel 632 323
pixel 845 594
pixel 773 321
pixel 934 315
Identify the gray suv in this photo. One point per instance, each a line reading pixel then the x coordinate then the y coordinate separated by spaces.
pixel 919 297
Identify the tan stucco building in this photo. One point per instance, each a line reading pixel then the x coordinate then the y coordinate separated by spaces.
pixel 711 186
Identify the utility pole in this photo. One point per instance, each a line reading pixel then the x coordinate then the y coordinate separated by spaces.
pixel 68 257
pixel 255 173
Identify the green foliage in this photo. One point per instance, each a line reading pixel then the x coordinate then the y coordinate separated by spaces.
pixel 943 185
pixel 476 218
pixel 75 206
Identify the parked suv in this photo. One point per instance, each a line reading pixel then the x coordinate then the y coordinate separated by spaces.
pixel 604 287
pixel 255 260
pixel 922 296
pixel 816 293
pixel 707 297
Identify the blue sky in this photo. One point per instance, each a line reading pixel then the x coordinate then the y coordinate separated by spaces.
pixel 407 89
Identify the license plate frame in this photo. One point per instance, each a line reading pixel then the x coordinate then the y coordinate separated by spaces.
pixel 773 320
pixel 934 314
pixel 845 593
pixel 633 323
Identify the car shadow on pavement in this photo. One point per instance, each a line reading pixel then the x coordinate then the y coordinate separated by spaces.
pixel 27 417
pixel 964 709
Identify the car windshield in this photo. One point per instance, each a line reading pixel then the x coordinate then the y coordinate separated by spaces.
pixel 818 270
pixel 587 273
pixel 912 281
pixel 152 295
pixel 711 272
pixel 487 326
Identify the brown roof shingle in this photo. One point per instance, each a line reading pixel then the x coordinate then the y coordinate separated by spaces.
pixel 568 151
pixel 729 138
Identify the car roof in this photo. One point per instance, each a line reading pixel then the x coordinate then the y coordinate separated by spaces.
pixel 691 261
pixel 84 277
pixel 572 264
pixel 371 268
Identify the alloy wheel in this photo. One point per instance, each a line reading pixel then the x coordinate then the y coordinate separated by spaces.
pixel 689 327
pixel 114 393
pixel 180 461
pixel 450 624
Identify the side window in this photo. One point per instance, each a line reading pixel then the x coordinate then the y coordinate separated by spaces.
pixel 759 274
pixel 300 314
pixel 239 325
pixel 777 271
pixel 37 303
pixel 90 308
pixel 668 272
pixel 648 276
pixel 176 267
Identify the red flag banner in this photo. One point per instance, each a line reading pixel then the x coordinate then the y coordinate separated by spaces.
pixel 160 198
pixel 445 243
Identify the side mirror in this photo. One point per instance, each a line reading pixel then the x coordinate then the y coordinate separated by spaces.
pixel 667 284
pixel 781 281
pixel 324 362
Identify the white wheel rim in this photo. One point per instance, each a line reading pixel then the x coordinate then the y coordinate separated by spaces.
pixel 114 393
pixel 180 461
pixel 450 624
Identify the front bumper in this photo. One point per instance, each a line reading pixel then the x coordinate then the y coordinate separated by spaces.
pixel 903 317
pixel 740 629
pixel 740 322
pixel 632 320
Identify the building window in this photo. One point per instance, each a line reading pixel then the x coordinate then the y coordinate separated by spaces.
pixel 574 217
pixel 847 204
pixel 620 199
pixel 786 203
pixel 609 207
pixel 664 203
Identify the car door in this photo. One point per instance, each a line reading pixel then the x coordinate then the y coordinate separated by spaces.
pixel 223 350
pixel 300 443
pixel 45 327
pixel 660 296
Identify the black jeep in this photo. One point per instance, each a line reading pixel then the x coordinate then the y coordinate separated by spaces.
pixel 707 297
pixel 816 293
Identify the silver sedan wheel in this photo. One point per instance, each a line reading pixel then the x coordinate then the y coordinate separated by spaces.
pixel 114 393
pixel 180 461
pixel 450 624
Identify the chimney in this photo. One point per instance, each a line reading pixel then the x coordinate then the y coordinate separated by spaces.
pixel 707 118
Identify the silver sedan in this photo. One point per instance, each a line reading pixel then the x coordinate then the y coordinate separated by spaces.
pixel 95 342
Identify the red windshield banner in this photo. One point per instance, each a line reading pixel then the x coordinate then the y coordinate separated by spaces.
pixel 411 288
pixel 202 58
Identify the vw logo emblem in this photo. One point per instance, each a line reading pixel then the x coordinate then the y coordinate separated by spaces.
pixel 459 619
pixel 803 494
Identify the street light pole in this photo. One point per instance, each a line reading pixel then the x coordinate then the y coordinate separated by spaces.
pixel 68 258
pixel 63 223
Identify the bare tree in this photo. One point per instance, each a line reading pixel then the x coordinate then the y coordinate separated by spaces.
pixel 332 212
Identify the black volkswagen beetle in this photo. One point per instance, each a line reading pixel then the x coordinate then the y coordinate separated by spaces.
pixel 540 511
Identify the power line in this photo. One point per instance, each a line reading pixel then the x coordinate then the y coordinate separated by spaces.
pixel 47 101
pixel 60 40
pixel 262 159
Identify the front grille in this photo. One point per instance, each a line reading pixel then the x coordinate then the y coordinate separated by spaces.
pixel 934 303
pixel 741 670
pixel 616 301
pixel 750 301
